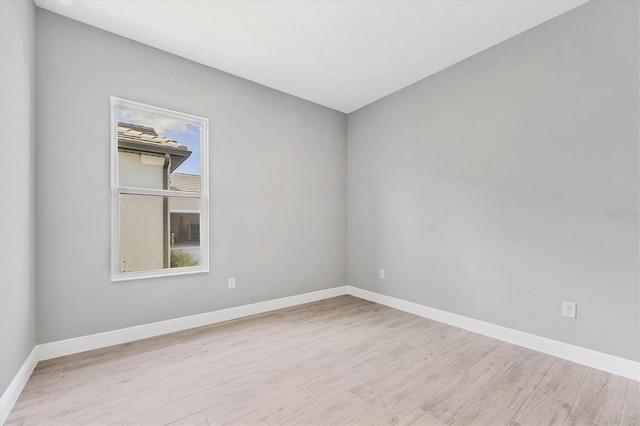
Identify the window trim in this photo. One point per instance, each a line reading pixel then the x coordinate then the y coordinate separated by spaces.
pixel 116 191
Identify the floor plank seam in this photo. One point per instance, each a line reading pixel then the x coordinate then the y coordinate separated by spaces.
pixel 624 404
pixel 533 391
pixel 573 406
pixel 488 388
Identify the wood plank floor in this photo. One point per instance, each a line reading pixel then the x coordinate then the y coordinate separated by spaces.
pixel 338 361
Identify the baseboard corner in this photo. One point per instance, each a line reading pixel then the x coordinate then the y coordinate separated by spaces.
pixel 13 391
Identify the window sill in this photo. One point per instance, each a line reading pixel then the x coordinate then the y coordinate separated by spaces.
pixel 129 276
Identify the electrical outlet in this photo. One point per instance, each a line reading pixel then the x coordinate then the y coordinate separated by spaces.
pixel 381 274
pixel 232 282
pixel 569 309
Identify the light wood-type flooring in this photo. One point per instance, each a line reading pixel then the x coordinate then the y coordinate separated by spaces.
pixel 338 361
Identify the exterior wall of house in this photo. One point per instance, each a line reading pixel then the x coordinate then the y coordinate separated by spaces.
pixel 184 204
pixel 141 217
pixel 134 173
pixel 141 233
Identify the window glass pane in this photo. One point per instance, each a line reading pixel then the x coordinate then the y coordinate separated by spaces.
pixel 184 229
pixel 158 151
pixel 158 232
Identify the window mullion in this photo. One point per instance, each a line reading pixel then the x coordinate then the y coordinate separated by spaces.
pixel 157 192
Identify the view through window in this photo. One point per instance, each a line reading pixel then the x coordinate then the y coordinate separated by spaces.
pixel 159 188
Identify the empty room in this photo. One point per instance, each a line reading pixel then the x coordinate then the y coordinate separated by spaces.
pixel 322 212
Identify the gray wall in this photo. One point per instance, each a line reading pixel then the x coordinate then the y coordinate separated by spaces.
pixel 482 189
pixel 278 184
pixel 17 231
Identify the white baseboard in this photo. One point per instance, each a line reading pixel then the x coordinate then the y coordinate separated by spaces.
pixel 601 361
pixel 115 337
pixel 129 334
pixel 11 394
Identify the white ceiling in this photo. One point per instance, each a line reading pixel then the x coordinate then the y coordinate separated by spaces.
pixel 340 54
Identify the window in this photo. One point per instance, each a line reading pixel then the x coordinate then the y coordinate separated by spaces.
pixel 159 182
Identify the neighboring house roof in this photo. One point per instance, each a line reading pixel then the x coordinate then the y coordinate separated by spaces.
pixel 142 134
pixel 184 182
pixel 144 139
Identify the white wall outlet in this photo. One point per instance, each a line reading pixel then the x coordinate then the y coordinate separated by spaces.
pixel 381 274
pixel 569 309
pixel 232 282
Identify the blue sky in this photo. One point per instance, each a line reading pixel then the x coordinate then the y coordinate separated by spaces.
pixel 182 132
pixel 190 138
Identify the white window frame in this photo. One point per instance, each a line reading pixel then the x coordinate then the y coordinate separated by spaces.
pixel 117 190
